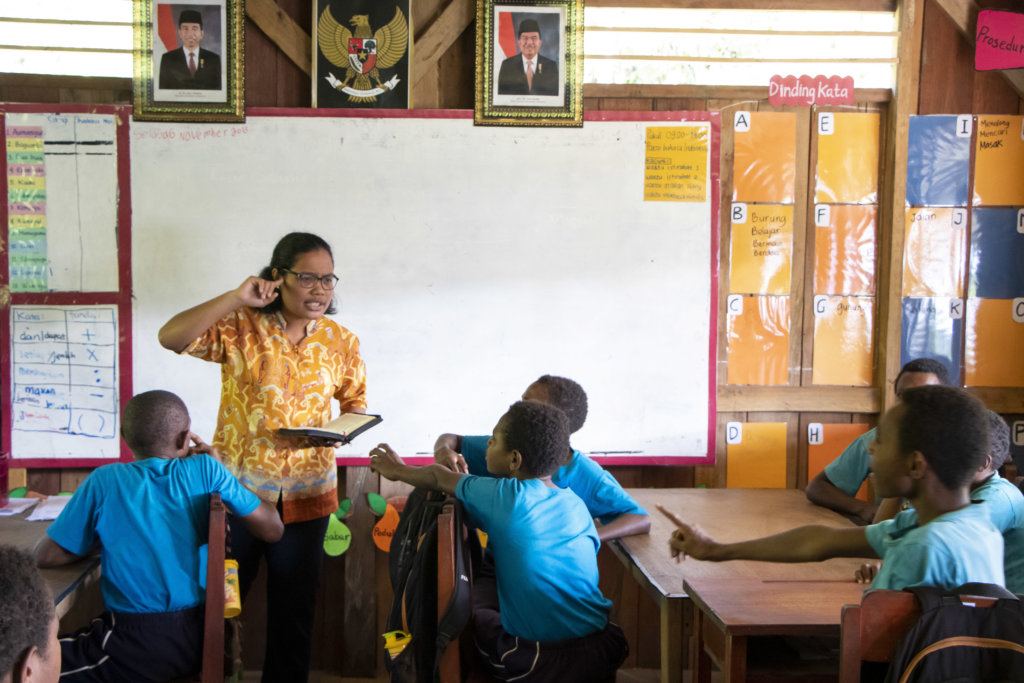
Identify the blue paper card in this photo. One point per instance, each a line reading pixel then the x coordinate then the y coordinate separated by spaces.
pixel 938 162
pixel 997 254
pixel 933 328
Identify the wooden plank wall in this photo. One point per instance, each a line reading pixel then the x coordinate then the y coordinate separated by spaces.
pixel 355 589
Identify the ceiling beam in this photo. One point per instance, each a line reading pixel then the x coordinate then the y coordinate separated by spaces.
pixel 282 30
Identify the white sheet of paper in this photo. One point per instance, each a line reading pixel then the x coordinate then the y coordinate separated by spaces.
pixel 49 508
pixel 17 505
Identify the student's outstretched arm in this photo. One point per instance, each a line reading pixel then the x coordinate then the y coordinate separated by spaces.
pixel 264 523
pixel 448 453
pixel 802 544
pixel 49 554
pixel 626 524
pixel 823 492
pixel 387 464
pixel 184 328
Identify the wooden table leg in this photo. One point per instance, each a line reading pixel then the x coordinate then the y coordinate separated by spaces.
pixel 735 663
pixel 701 662
pixel 672 642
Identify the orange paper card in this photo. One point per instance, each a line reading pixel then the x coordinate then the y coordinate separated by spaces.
pixel 761 251
pixel 844 249
pixel 842 340
pixel 758 339
pixel 764 157
pixel 999 161
pixel 994 341
pixel 755 455
pixel 847 170
pixel 933 253
pixel 824 444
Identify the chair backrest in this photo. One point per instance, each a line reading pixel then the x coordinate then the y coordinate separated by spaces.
pixel 213 630
pixel 448 669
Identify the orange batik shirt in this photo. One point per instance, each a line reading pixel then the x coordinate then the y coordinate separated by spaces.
pixel 268 383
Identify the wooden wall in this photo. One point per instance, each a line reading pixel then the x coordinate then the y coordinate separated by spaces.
pixel 355 591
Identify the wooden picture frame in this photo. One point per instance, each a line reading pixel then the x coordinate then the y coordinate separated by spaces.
pixel 189 60
pixel 509 92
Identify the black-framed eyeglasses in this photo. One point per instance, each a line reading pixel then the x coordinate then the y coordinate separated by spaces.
pixel 306 280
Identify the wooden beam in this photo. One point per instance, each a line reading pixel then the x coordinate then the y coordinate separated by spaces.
pixel 732 93
pixel 757 399
pixel 282 30
pixel 442 33
pixel 964 14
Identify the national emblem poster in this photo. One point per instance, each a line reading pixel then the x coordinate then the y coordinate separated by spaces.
pixel 361 54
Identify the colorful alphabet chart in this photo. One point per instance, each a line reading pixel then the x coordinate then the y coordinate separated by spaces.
pixel 963 266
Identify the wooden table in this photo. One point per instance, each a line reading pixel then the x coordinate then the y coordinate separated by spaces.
pixel 730 610
pixel 726 515
pixel 68 583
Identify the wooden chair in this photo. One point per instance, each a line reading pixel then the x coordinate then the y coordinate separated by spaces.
pixel 213 631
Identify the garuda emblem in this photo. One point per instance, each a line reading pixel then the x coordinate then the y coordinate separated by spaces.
pixel 362 53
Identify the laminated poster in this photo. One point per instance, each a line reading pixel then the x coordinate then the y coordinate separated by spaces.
pixel 826 441
pixel 938 160
pixel 758 339
pixel 933 252
pixel 842 340
pixel 995 337
pixel 761 249
pixel 847 169
pixel 764 157
pixel 999 161
pixel 997 254
pixel 755 455
pixel 933 328
pixel 844 249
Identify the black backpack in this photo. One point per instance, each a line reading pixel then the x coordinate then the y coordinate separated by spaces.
pixel 958 642
pixel 413 570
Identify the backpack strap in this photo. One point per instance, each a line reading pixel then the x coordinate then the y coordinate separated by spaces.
pixel 456 614
pixel 931 597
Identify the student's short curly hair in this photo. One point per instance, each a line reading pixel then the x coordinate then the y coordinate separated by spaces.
pixel 568 396
pixel 540 432
pixel 151 420
pixel 949 427
pixel 287 251
pixel 929 365
pixel 26 608
pixel 998 439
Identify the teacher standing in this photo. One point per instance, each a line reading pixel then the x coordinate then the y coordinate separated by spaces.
pixel 282 361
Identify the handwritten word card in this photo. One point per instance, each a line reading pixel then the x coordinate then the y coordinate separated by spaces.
pixel 676 166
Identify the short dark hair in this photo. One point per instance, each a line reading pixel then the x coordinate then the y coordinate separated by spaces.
pixel 998 439
pixel 568 396
pixel 287 251
pixel 540 432
pixel 26 608
pixel 190 16
pixel 151 420
pixel 528 26
pixel 949 427
pixel 929 365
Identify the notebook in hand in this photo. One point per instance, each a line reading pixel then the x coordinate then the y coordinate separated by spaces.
pixel 344 428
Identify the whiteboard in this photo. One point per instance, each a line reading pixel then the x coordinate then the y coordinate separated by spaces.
pixel 472 260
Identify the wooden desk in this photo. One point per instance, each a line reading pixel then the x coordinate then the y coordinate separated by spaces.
pixel 730 610
pixel 68 583
pixel 726 515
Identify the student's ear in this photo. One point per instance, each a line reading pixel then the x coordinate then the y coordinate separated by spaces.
pixel 25 666
pixel 182 442
pixel 516 463
pixel 918 465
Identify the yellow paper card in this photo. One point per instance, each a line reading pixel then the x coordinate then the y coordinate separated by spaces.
pixel 842 340
pixel 847 169
pixel 826 442
pixel 933 252
pixel 758 339
pixel 764 157
pixel 755 455
pixel 761 249
pixel 994 340
pixel 999 161
pixel 676 168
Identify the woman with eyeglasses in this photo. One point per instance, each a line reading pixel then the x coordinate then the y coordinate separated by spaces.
pixel 282 362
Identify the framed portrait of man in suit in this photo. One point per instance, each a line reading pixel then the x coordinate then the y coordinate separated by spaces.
pixel 189 60
pixel 529 63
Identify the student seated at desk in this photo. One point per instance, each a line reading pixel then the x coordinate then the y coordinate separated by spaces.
pixel 29 652
pixel 150 517
pixel 540 615
pixel 615 510
pixel 836 486
pixel 928 449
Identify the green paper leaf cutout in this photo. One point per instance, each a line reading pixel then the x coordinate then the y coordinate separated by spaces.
pixel 338 537
pixel 18 492
pixel 377 503
pixel 64 493
pixel 344 508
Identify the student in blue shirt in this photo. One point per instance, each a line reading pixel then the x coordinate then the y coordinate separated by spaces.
pixel 149 518
pixel 836 486
pixel 29 652
pixel 614 509
pixel 928 449
pixel 540 615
